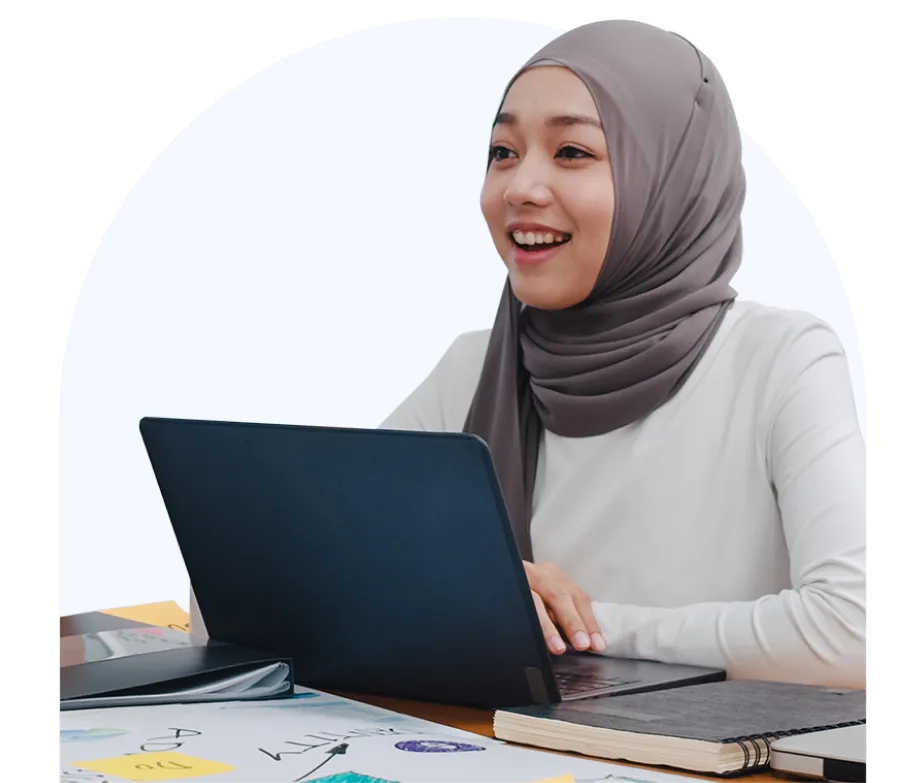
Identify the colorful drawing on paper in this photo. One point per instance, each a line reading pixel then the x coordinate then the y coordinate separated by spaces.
pixel 351 777
pixel 436 746
pixel 145 767
pixel 89 735
pixel 559 779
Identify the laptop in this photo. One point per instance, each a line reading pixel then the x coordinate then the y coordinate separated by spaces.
pixel 379 561
pixel 833 754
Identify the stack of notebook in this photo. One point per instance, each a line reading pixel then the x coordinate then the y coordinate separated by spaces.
pixel 722 728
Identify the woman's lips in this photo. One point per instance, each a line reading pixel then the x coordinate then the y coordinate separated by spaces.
pixel 523 257
pixel 535 243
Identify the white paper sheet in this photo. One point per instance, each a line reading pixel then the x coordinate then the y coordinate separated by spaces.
pixel 313 736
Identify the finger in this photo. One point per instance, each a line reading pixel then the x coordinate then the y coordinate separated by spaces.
pixel 531 573
pixel 553 639
pixel 586 610
pixel 569 620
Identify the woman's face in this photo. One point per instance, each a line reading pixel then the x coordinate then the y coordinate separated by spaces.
pixel 548 196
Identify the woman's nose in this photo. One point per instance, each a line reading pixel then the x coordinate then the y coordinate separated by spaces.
pixel 528 185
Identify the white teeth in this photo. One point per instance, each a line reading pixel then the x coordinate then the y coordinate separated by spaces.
pixel 533 238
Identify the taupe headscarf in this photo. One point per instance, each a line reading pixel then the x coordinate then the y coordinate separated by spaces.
pixel 663 289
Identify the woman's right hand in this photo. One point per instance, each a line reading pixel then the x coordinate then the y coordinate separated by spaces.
pixel 563 609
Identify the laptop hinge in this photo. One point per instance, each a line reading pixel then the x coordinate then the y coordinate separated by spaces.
pixel 536 682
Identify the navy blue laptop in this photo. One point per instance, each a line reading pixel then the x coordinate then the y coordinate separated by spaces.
pixel 380 562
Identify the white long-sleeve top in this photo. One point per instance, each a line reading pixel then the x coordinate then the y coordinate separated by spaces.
pixel 728 527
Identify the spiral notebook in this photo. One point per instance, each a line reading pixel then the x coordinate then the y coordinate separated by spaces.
pixel 722 728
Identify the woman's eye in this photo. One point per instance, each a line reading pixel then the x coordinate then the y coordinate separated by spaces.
pixel 573 153
pixel 499 152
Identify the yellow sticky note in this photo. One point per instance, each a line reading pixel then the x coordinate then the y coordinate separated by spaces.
pixel 559 779
pixel 166 614
pixel 166 765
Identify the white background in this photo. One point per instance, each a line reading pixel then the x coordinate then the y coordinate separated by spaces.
pixel 304 252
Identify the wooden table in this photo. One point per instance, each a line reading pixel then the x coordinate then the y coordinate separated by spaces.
pixel 464 718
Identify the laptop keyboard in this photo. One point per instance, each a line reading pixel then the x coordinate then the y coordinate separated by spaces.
pixel 572 682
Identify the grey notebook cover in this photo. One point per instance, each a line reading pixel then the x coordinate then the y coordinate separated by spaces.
pixel 734 711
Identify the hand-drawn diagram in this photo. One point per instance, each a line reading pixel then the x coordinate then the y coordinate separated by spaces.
pixel 315 737
pixel 174 739
pixel 89 735
pixel 325 739
pixel 436 746
pixel 338 750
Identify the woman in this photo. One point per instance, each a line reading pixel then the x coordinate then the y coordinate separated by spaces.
pixel 684 472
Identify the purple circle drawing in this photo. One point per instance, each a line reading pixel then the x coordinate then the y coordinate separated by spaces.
pixel 436 746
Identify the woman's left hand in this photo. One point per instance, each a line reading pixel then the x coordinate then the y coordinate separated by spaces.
pixel 561 604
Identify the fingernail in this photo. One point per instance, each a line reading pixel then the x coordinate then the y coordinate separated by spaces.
pixel 581 640
pixel 598 641
pixel 557 644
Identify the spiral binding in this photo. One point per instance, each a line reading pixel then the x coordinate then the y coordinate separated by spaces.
pixel 756 747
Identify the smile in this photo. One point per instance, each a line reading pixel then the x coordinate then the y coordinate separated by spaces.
pixel 532 249
pixel 534 240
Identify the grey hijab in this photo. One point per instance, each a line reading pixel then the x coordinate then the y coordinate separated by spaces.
pixel 663 289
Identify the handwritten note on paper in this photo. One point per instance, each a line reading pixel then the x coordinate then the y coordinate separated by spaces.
pixel 166 765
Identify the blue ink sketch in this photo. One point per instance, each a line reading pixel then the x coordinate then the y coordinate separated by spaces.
pixel 89 735
pixel 436 746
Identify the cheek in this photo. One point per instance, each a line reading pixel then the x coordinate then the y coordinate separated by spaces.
pixel 597 222
pixel 492 205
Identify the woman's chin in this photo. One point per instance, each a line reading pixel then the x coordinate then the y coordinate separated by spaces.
pixel 542 291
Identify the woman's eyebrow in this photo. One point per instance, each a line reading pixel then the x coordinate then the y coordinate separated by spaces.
pixel 558 121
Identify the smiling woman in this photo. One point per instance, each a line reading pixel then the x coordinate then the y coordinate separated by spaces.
pixel 684 471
